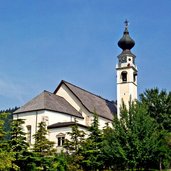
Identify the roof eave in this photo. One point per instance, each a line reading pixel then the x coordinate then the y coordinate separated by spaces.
pixel 15 113
pixel 69 125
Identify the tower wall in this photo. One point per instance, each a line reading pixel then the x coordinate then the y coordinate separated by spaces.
pixel 126 72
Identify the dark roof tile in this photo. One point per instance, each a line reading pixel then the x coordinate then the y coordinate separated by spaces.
pixel 104 108
pixel 49 101
pixel 64 124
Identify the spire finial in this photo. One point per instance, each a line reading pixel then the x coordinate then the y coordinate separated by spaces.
pixel 126 23
pixel 126 43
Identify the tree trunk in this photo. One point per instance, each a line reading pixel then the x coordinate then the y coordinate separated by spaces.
pixel 160 165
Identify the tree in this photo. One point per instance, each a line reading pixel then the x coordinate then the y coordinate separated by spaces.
pixel 44 151
pixel 18 143
pixel 60 162
pixel 159 106
pixel 135 142
pixel 72 146
pixel 6 156
pixel 91 148
pixel 7 120
pixel 42 145
pixel 114 156
pixel 76 139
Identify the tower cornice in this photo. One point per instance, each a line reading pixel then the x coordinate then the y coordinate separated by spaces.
pixel 126 67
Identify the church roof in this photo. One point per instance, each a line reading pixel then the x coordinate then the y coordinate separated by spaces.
pixel 64 124
pixel 93 103
pixel 49 101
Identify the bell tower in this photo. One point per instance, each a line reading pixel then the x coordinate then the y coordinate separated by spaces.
pixel 126 71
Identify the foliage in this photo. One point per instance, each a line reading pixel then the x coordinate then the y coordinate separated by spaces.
pixel 159 106
pixel 10 110
pixel 139 140
pixel 8 119
pixel 75 141
pixel 6 159
pixel 42 145
pixel 3 116
pixel 134 141
pixel 73 146
pixel 60 162
pixel 18 144
pixel 91 149
pixel 6 156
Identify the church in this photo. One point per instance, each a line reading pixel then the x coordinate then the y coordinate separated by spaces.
pixel 68 102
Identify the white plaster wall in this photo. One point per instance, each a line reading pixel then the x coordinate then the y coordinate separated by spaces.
pixel 33 118
pixel 128 89
pixel 73 100
pixel 103 121
pixel 64 130
pixel 30 119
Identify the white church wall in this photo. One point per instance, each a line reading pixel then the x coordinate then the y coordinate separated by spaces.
pixel 55 133
pixel 30 119
pixel 33 118
pixel 73 100
pixel 103 122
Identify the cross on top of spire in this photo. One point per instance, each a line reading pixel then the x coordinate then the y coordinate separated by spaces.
pixel 126 42
pixel 126 23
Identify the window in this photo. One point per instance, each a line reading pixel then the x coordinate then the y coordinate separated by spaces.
pixel 124 76
pixel 28 135
pixel 60 139
pixel 135 75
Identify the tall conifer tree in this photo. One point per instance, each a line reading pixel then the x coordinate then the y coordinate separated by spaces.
pixel 42 145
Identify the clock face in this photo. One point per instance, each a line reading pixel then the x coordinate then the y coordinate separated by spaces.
pixel 123 59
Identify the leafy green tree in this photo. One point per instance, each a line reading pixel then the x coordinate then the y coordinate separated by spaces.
pixel 60 162
pixel 159 106
pixel 6 160
pixel 135 142
pixel 114 156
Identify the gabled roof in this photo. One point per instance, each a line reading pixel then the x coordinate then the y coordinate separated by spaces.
pixel 49 101
pixel 65 124
pixel 93 103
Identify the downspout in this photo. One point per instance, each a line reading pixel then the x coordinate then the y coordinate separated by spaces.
pixel 36 122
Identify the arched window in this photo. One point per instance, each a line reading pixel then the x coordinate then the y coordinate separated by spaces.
pixel 124 76
pixel 135 75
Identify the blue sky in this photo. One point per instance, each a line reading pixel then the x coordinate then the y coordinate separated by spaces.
pixel 43 42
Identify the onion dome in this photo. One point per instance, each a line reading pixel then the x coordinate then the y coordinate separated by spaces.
pixel 126 42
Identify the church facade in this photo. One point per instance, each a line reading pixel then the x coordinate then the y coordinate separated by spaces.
pixel 68 102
